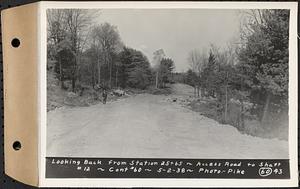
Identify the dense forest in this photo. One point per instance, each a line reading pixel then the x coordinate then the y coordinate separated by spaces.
pixel 251 72
pixel 93 55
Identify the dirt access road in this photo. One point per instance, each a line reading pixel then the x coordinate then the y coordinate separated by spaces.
pixel 150 126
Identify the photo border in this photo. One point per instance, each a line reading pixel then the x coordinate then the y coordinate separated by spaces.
pixel 170 182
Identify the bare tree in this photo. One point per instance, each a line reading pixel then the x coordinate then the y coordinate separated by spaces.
pixel 108 42
pixel 67 29
pixel 95 46
pixel 158 55
pixel 197 61
pixel 56 36
pixel 250 19
pixel 226 57
pixel 76 20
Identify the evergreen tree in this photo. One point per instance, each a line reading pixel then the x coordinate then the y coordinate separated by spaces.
pixel 191 78
pixel 264 60
pixel 135 69
pixel 209 75
pixel 165 71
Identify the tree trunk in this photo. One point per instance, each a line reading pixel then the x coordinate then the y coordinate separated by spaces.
pixel 117 78
pixel 156 80
pixel 242 124
pixel 226 99
pixel 73 83
pixel 264 117
pixel 99 70
pixel 93 78
pixel 199 81
pixel 78 73
pixel 202 92
pixel 61 76
pixel 74 75
pixel 226 104
pixel 110 72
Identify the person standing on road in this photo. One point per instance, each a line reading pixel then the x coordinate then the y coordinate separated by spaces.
pixel 104 95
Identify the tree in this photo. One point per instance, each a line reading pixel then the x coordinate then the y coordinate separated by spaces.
pixel 134 70
pixel 95 55
pixel 197 61
pixel 92 58
pixel 109 42
pixel 264 59
pixel 165 71
pixel 76 20
pixel 67 31
pixel 191 78
pixel 56 41
pixel 157 57
pixel 225 76
pixel 126 65
pixel 209 75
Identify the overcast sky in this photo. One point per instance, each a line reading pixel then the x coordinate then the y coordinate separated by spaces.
pixel 176 31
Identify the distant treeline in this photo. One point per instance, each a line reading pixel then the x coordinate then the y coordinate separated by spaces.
pixel 83 53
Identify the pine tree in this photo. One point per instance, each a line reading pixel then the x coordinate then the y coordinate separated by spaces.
pixel 209 76
pixel 165 71
pixel 264 60
pixel 134 69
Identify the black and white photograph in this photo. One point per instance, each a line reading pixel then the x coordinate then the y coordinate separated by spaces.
pixel 158 94
pixel 169 93
pixel 167 83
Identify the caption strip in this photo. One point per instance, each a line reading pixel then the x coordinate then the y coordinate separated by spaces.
pixel 60 167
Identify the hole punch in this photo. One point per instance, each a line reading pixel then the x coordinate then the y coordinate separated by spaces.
pixel 15 42
pixel 17 145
